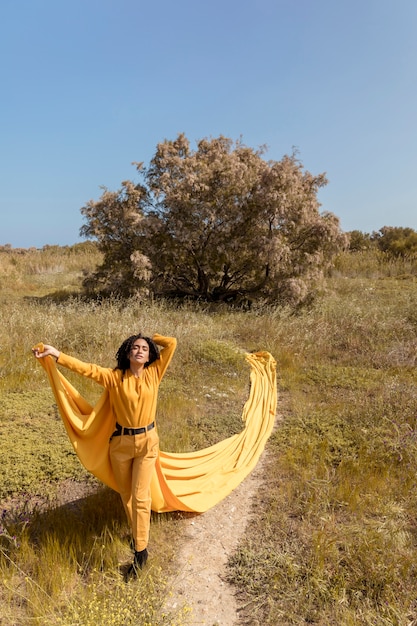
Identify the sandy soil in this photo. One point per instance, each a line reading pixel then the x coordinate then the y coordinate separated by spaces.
pixel 209 541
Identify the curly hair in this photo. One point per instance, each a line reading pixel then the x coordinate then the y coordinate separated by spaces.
pixel 122 355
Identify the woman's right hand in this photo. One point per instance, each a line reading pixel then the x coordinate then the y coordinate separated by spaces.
pixel 47 351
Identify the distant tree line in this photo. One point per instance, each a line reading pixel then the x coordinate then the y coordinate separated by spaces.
pixel 217 223
pixel 395 241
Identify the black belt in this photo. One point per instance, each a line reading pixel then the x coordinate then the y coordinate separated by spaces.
pixel 121 430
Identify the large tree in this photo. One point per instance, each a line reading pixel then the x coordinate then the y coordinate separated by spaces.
pixel 218 223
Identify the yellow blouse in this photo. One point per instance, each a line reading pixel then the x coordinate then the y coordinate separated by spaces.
pixel 132 400
pixel 187 481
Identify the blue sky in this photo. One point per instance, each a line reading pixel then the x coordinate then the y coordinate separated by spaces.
pixel 89 86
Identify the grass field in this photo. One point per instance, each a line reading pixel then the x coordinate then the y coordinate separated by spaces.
pixel 333 538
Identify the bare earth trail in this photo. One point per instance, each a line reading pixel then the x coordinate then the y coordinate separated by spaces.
pixel 209 540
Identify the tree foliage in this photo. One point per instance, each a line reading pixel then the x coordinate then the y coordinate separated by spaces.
pixel 396 240
pixel 359 241
pixel 218 223
pixel 115 221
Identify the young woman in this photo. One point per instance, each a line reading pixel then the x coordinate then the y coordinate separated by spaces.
pixel 133 389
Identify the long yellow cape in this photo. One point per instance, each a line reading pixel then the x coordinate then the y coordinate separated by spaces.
pixel 188 481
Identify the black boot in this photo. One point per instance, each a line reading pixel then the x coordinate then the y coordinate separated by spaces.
pixel 139 562
pixel 140 558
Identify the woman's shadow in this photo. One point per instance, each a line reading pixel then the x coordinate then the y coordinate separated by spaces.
pixel 91 531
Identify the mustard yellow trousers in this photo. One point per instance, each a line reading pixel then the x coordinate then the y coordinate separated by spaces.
pixel 133 459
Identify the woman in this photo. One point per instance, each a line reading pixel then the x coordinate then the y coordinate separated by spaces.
pixel 133 389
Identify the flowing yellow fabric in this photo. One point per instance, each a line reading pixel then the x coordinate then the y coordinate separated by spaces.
pixel 188 481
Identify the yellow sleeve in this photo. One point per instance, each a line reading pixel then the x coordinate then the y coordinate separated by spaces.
pixel 168 345
pixel 104 376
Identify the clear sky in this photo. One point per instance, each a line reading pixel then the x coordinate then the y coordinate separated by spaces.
pixel 89 86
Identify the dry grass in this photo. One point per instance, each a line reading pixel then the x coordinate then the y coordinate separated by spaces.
pixel 334 539
pixel 38 273
pixel 60 564
pixel 333 536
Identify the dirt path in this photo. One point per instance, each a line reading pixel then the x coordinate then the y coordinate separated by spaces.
pixel 209 540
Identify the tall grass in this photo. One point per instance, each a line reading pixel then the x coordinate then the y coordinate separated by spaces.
pixel 332 538
pixel 64 565
pixel 38 273
pixel 374 263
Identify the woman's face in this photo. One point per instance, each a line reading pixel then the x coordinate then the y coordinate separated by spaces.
pixel 139 353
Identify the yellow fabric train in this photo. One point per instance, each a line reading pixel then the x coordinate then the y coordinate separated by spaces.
pixel 188 481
